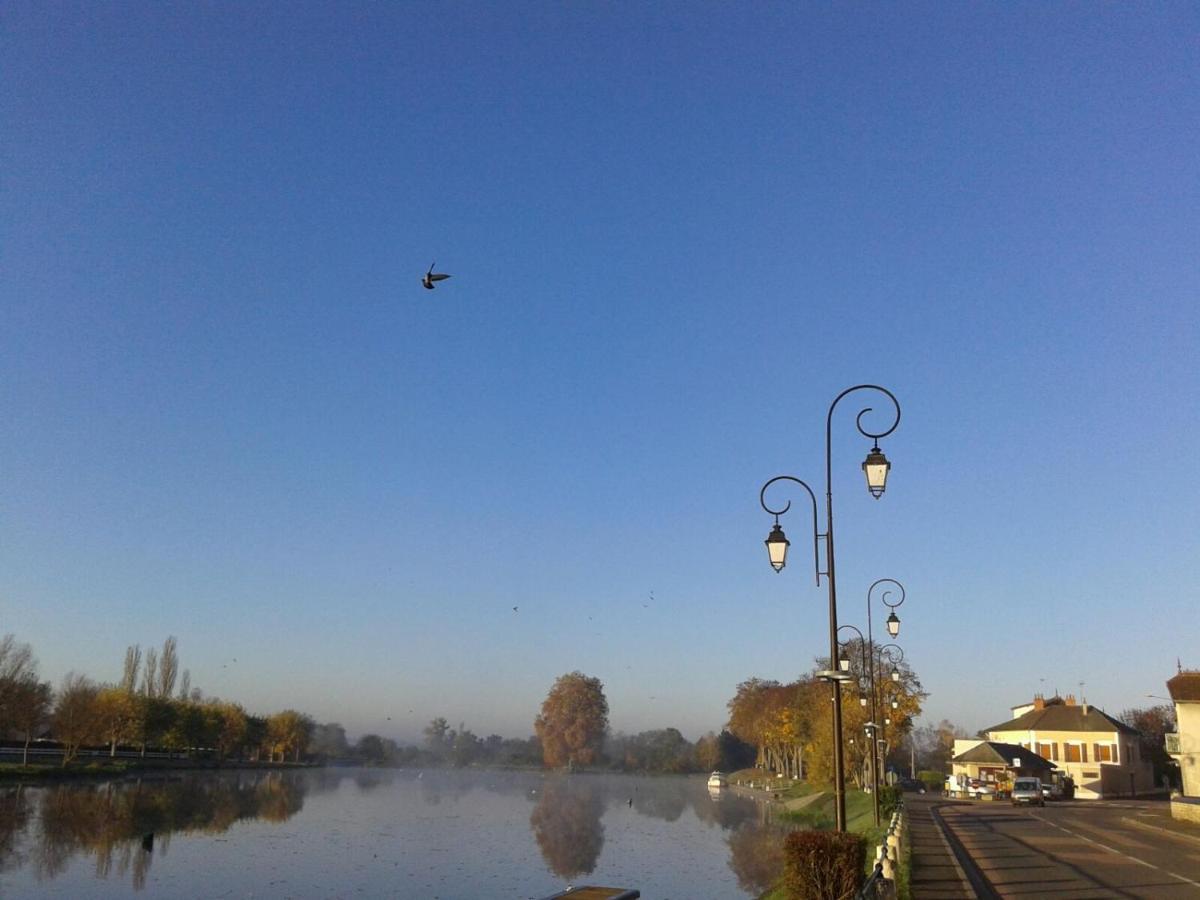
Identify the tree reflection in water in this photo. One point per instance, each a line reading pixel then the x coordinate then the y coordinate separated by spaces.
pixel 756 855
pixel 114 821
pixel 566 824
pixel 14 816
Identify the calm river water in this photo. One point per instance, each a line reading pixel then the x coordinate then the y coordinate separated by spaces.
pixel 473 835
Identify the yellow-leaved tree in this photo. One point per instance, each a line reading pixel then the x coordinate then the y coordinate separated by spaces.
pixel 573 721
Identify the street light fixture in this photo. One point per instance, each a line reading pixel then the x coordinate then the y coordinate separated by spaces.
pixel 875 468
pixel 777 544
pixel 893 624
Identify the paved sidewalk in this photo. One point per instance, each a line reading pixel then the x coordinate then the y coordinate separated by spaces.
pixel 934 872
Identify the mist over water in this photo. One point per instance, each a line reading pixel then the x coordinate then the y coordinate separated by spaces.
pixel 370 832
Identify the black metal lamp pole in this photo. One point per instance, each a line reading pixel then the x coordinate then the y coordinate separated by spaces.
pixel 868 670
pixel 894 675
pixel 875 467
pixel 893 624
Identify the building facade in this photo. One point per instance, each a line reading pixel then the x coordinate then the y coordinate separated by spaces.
pixel 1100 754
pixel 1184 744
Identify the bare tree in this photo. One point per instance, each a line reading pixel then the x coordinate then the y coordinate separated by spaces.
pixel 133 662
pixel 16 663
pixel 30 709
pixel 15 658
pixel 168 668
pixel 150 673
pixel 185 685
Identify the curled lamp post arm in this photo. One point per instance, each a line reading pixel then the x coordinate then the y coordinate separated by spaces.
pixel 762 499
pixel 887 649
pixel 862 641
pixel 873 435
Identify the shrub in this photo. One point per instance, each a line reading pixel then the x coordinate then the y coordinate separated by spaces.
pixel 823 865
pixel 889 799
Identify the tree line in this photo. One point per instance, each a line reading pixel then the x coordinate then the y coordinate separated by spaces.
pixel 790 726
pixel 570 731
pixel 142 712
pixel 155 708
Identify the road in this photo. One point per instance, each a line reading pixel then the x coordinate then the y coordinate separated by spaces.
pixel 1069 849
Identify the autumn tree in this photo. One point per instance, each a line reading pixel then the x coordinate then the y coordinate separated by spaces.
pixel 76 718
pixel 117 715
pixel 288 732
pixel 573 721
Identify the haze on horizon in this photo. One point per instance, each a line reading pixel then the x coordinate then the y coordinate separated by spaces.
pixel 232 414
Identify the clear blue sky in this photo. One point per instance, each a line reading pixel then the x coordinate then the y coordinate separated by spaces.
pixel 676 231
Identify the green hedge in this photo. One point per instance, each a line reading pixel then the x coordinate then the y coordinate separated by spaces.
pixel 823 865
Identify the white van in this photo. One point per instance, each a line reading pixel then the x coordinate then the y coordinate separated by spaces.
pixel 1028 790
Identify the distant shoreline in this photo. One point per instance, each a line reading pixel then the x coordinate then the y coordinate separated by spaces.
pixel 97 769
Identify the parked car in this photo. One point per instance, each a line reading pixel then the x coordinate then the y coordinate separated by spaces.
pixel 981 790
pixel 911 784
pixel 1027 791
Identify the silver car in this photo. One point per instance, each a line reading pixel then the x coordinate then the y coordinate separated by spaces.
pixel 1028 790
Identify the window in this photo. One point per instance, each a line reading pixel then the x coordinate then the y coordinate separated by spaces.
pixel 1047 750
pixel 1102 752
pixel 1074 753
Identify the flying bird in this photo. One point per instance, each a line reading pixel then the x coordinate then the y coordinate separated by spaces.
pixel 432 276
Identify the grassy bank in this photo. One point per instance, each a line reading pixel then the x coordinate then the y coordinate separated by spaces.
pixel 821 815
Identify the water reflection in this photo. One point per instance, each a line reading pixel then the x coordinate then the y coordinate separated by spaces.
pixel 123 824
pixel 580 825
pixel 756 856
pixel 566 824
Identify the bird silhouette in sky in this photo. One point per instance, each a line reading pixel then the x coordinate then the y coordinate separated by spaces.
pixel 432 276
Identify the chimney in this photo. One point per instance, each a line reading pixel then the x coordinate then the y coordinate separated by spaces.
pixel 1085 708
pixel 1039 702
pixel 1070 699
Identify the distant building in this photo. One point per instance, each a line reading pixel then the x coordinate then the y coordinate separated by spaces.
pixel 1184 744
pixel 1099 753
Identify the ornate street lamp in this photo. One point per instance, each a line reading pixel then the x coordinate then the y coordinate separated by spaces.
pixel 777 544
pixel 876 468
pixel 893 624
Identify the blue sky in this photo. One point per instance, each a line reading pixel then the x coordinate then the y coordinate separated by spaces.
pixel 676 232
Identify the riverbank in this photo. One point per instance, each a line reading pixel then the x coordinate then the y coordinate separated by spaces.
pixel 109 768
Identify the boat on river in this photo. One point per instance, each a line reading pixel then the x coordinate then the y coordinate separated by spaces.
pixel 717 780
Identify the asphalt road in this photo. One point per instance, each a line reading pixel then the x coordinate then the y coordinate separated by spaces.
pixel 1071 849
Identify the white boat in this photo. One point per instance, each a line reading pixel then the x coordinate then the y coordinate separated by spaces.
pixel 717 780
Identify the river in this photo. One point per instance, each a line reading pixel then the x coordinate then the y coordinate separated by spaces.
pixel 446 834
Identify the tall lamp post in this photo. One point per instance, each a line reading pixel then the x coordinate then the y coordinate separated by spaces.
pixel 868 672
pixel 893 629
pixel 875 467
pixel 889 652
